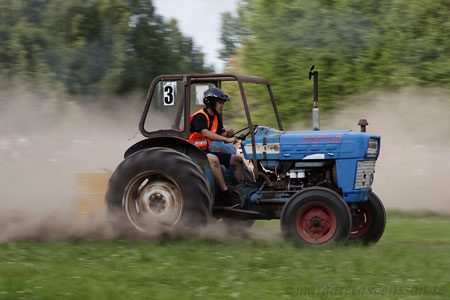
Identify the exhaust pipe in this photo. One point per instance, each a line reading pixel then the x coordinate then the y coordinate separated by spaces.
pixel 363 123
pixel 315 110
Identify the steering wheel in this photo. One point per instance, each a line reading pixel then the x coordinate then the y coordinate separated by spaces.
pixel 244 135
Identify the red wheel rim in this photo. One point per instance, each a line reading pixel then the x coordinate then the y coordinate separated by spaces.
pixel 361 221
pixel 316 223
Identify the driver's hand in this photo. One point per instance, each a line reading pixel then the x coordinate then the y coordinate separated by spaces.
pixel 232 140
pixel 229 132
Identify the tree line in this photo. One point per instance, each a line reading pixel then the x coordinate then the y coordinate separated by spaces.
pixel 356 45
pixel 92 46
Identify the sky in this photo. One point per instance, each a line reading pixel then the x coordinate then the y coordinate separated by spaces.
pixel 200 20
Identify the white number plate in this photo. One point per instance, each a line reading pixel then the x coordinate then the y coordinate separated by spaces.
pixel 169 89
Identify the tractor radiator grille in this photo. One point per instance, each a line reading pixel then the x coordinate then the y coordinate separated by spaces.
pixel 364 174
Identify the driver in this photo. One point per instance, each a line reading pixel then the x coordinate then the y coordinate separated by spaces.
pixel 206 126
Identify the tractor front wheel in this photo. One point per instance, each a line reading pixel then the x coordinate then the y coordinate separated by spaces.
pixel 369 220
pixel 159 187
pixel 316 215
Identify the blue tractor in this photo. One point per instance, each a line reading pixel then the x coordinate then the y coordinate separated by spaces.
pixel 317 182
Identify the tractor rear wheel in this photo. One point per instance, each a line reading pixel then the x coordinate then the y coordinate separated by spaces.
pixel 368 219
pixel 159 187
pixel 316 215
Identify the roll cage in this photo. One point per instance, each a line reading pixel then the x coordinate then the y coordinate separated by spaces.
pixel 216 80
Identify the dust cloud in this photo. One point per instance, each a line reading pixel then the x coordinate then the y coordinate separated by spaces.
pixel 45 141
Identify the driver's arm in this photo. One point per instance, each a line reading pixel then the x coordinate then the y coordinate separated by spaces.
pixel 215 137
pixel 228 133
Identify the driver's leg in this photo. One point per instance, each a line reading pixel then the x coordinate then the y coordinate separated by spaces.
pixel 226 196
pixel 217 172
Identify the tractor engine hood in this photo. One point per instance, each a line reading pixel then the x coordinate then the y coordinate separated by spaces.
pixel 272 144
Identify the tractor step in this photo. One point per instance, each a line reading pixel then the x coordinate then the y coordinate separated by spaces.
pixel 221 211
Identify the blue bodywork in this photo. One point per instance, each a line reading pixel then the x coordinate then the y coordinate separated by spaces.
pixel 345 148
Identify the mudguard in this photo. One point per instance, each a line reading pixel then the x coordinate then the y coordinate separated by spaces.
pixel 198 156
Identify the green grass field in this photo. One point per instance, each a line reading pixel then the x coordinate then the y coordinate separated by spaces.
pixel 412 261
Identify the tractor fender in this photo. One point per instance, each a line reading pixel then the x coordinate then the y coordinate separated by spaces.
pixel 180 145
pixel 197 156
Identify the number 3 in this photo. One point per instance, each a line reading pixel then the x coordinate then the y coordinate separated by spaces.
pixel 168 95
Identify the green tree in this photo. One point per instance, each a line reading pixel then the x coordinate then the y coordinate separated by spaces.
pixel 22 41
pixel 356 46
pixel 87 47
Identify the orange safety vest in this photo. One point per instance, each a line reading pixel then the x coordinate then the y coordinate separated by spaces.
pixel 197 138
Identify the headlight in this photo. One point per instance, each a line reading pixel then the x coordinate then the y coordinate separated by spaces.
pixel 372 148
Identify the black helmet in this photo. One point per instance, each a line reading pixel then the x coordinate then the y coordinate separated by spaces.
pixel 211 95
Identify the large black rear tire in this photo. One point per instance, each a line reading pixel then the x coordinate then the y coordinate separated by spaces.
pixel 159 187
pixel 369 220
pixel 316 215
